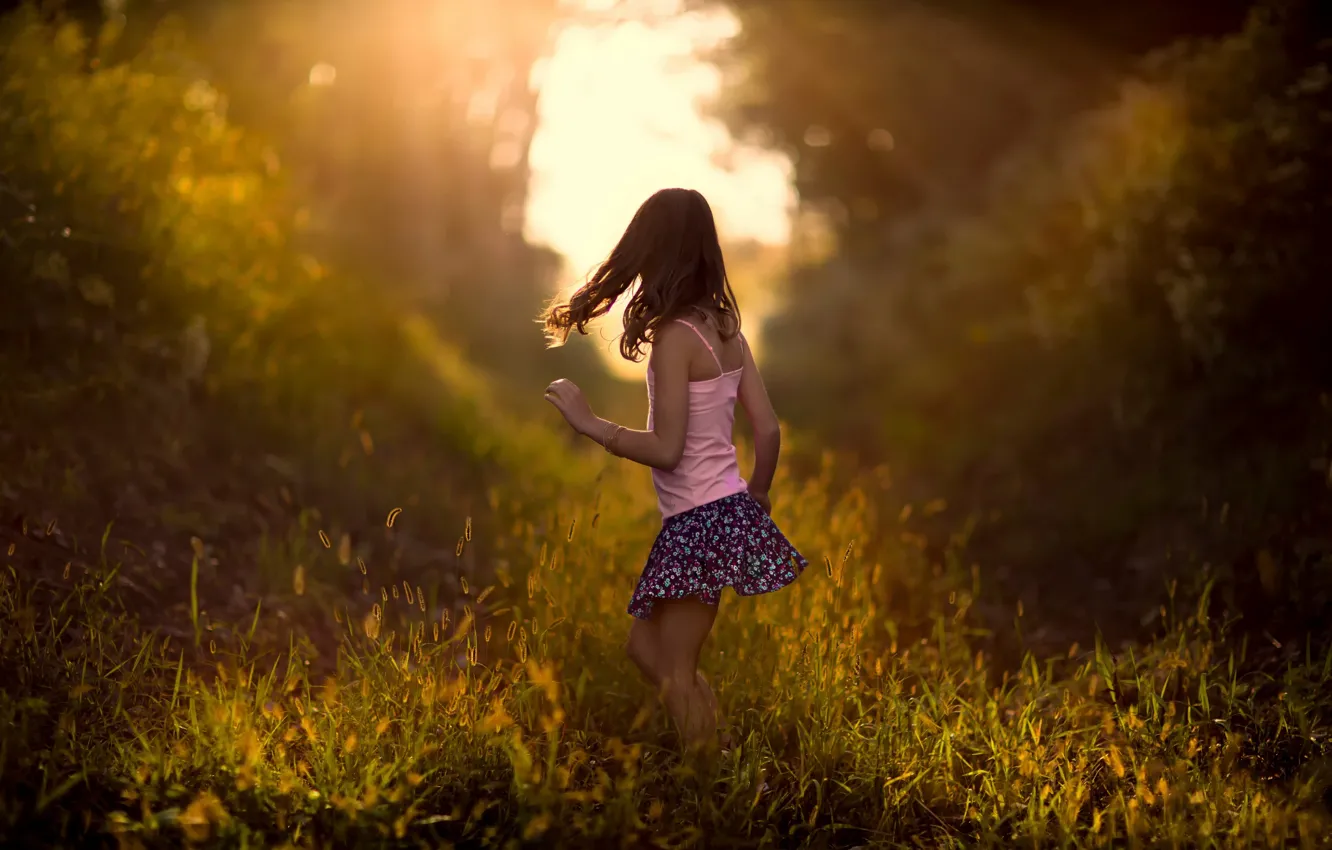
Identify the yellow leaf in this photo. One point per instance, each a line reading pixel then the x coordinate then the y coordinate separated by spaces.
pixel 95 290
pixel 543 676
pixel 201 815
pixel 53 267
pixel 313 268
pixel 536 827
pixel 249 746
pixel 498 719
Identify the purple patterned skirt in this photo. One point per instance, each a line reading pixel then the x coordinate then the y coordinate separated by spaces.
pixel 729 542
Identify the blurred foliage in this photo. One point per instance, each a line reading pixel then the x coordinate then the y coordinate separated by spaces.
pixel 412 149
pixel 162 299
pixel 900 108
pixel 403 127
pixel 1126 330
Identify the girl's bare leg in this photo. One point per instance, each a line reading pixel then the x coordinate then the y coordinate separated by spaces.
pixel 644 648
pixel 682 626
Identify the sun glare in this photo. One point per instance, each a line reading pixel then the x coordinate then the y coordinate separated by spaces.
pixel 620 117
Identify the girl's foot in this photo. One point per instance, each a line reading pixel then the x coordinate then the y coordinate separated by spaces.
pixel 695 718
pixel 724 737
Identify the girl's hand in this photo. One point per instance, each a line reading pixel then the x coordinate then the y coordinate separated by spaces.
pixel 761 496
pixel 569 401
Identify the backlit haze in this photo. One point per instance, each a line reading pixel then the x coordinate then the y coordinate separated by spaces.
pixel 620 117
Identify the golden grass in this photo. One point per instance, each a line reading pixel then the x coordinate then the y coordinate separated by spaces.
pixel 519 721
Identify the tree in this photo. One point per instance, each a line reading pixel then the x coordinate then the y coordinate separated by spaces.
pixel 1122 318
pixel 405 128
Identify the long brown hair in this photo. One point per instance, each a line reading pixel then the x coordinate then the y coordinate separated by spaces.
pixel 671 248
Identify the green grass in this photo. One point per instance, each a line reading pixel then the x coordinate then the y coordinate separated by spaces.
pixel 526 726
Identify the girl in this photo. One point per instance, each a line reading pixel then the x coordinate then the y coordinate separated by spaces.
pixel 716 531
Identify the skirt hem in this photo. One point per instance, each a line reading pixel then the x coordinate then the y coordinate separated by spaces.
pixel 730 542
pixel 641 607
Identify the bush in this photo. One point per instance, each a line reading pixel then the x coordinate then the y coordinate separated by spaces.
pixel 161 239
pixel 1132 328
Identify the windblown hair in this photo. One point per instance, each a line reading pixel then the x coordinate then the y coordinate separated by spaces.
pixel 671 249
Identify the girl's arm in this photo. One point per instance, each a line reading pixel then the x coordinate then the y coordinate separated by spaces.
pixel 767 430
pixel 662 447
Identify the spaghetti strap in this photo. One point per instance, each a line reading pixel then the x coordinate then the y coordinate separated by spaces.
pixel 691 326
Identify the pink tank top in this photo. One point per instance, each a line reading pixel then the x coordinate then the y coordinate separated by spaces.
pixel 708 469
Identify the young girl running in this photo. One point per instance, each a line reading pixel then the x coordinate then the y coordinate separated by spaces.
pixel 716 530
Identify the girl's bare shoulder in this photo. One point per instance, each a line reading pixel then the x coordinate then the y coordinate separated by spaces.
pixel 671 333
pixel 671 340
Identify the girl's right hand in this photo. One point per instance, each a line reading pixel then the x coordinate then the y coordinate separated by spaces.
pixel 761 496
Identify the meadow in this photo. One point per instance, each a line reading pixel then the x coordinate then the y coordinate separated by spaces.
pixel 330 591
pixel 338 715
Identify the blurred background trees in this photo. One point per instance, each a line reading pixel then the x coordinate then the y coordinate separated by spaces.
pixel 1077 290
pixel 213 278
pixel 1060 266
pixel 403 128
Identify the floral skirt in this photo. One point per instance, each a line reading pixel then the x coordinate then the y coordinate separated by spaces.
pixel 729 542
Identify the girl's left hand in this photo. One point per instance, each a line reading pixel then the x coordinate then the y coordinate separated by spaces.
pixel 569 401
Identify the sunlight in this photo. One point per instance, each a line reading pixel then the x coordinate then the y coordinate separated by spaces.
pixel 620 117
pixel 323 74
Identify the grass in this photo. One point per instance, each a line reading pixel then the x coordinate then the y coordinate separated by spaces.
pixel 343 595
pixel 516 721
